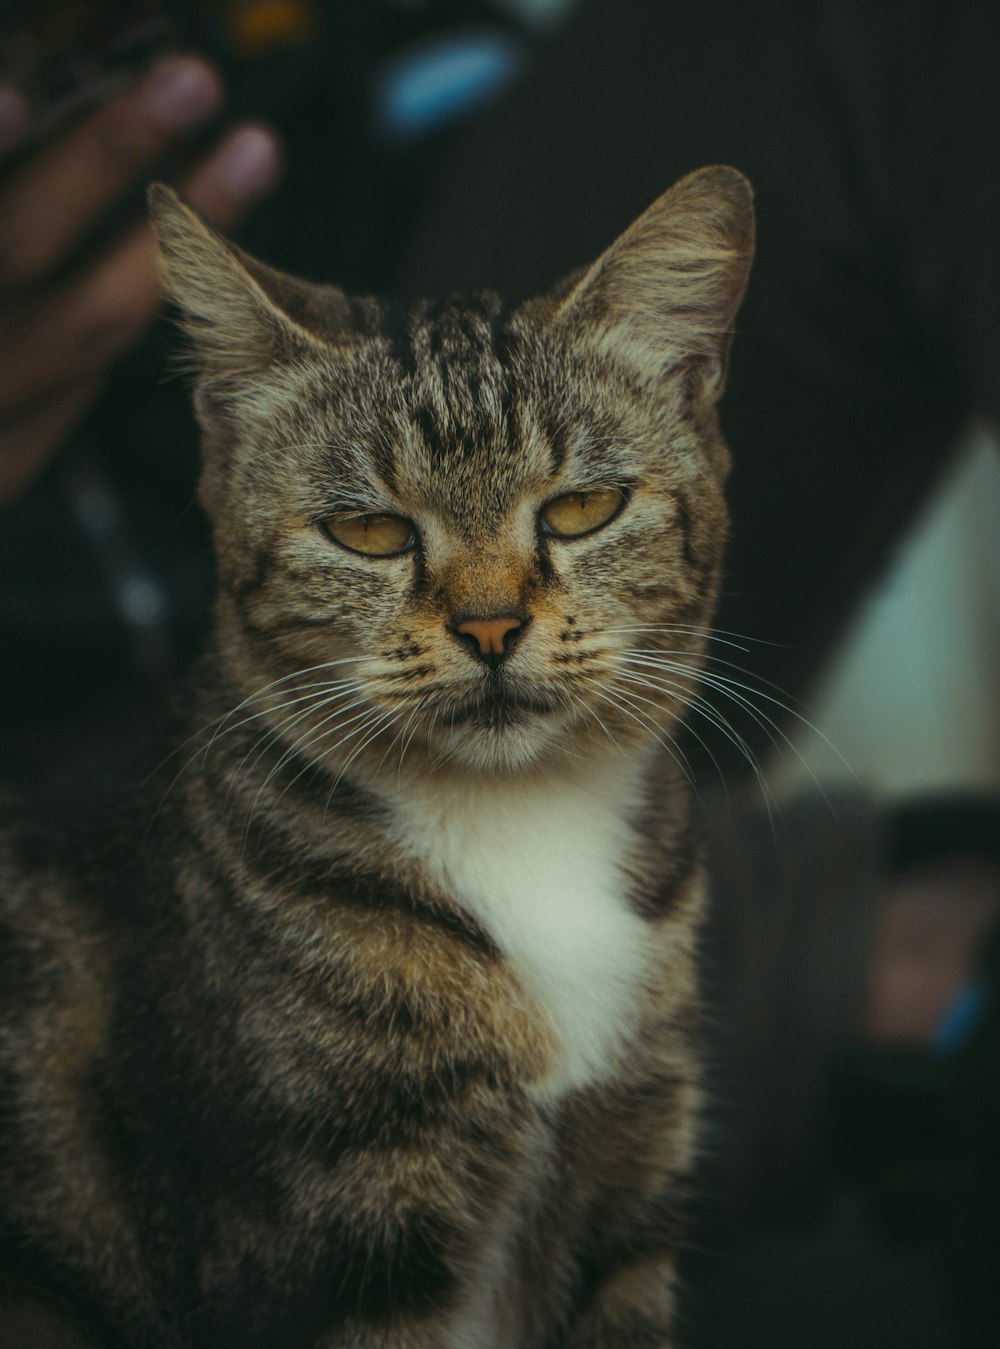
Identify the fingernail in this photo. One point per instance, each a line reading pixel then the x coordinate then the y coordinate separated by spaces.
pixel 13 116
pixel 181 92
pixel 248 163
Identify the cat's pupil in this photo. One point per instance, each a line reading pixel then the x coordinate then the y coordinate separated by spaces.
pixel 578 513
pixel 372 534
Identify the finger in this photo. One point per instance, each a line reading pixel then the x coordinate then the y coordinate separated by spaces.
pixel 76 333
pixel 28 444
pixel 244 168
pixel 13 117
pixel 70 183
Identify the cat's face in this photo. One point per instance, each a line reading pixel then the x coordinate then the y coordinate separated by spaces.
pixel 454 535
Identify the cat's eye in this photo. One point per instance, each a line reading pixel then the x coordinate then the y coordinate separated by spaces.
pixel 576 513
pixel 372 535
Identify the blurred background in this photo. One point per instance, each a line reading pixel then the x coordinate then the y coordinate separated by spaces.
pixel 911 697
pixel 852 1177
pixel 906 718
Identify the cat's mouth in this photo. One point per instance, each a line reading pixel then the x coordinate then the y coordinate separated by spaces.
pixel 499 708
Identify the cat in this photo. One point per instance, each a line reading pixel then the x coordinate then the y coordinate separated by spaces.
pixel 372 1021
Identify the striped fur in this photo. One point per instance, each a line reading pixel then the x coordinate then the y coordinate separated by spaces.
pixel 372 1022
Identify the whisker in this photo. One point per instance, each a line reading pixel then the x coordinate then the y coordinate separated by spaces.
pixel 383 723
pixel 314 703
pixel 395 739
pixel 217 724
pixel 774 732
pixel 646 724
pixel 710 631
pixel 738 692
pixel 712 660
pixel 642 682
pixel 293 749
pixel 697 704
pixel 335 688
pixel 284 679
pixel 306 744
pixel 675 628
pixel 593 712
pixel 668 660
pixel 407 739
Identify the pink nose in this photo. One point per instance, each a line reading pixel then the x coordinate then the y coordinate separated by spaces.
pixel 489 634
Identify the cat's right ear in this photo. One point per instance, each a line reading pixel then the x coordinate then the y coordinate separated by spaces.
pixel 242 316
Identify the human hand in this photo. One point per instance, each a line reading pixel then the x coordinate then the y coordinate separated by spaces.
pixel 60 336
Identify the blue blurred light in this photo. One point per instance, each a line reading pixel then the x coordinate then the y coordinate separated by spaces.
pixel 960 1019
pixel 425 87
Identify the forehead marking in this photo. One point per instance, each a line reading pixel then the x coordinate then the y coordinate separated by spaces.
pixel 461 386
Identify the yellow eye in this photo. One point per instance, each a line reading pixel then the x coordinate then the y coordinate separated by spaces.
pixel 579 513
pixel 373 535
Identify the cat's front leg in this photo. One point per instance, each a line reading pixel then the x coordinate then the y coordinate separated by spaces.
pixel 392 1249
pixel 629 1154
pixel 438 1294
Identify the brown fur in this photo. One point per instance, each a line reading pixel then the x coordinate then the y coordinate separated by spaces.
pixel 275 1071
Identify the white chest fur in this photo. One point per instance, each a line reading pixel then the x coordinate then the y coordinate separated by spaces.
pixel 539 865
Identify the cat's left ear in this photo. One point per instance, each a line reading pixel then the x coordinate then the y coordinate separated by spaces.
pixel 665 294
pixel 242 316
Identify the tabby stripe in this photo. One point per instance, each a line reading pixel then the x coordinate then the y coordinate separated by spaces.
pixel 397 325
pixel 555 436
pixel 657 1233
pixel 407 1269
pixel 672 882
pixel 249 586
pixel 703 568
pixel 301 777
pixel 278 860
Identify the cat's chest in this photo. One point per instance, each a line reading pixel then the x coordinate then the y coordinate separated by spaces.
pixel 541 868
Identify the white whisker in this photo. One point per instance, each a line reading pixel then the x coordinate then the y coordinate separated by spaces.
pixel 645 723
pixel 675 629
pixel 741 694
pixel 382 723
pixel 696 704
pixel 689 703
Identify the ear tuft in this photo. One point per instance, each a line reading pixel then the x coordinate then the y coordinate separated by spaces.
pixel 234 326
pixel 242 315
pixel 666 292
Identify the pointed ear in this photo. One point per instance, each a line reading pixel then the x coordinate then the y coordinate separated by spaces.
pixel 666 292
pixel 241 315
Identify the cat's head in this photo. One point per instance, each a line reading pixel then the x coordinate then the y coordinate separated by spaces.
pixel 460 533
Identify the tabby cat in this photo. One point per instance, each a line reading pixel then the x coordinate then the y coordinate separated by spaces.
pixel 372 1021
